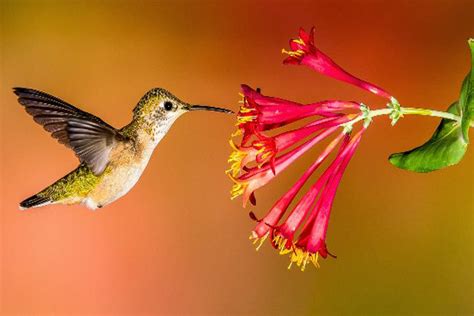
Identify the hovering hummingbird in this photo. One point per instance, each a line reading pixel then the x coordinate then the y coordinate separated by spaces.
pixel 111 160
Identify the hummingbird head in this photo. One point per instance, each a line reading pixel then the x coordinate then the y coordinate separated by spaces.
pixel 160 106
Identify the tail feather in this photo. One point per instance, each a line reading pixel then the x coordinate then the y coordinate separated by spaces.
pixel 34 201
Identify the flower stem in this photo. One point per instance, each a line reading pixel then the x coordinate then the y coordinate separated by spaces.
pixel 406 111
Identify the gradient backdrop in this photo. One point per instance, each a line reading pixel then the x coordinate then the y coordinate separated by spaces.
pixel 176 244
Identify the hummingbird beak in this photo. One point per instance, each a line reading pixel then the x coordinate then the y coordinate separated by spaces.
pixel 208 108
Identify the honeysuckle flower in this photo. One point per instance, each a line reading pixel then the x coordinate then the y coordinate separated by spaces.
pixel 266 225
pixel 269 113
pixel 304 52
pixel 311 213
pixel 261 157
pixel 297 223
pixel 265 148
pixel 260 113
pixel 298 227
pixel 311 242
pixel 256 177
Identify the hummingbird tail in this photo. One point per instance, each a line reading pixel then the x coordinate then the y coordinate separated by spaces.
pixel 34 201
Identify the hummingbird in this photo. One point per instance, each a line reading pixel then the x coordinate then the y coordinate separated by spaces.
pixel 111 160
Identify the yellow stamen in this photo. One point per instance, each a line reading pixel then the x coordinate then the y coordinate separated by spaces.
pixel 238 188
pixel 281 245
pixel 244 119
pixel 236 133
pixel 299 41
pixel 242 98
pixel 298 256
pixel 258 240
pixel 232 144
pixel 262 149
pixel 261 164
pixel 297 53
pixel 315 261
pixel 235 158
pixel 284 251
pixel 262 240
pixel 244 109
pixel 266 155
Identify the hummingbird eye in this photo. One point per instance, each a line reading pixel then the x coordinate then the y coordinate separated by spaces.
pixel 168 106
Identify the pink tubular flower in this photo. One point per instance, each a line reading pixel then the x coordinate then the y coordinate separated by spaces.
pixel 297 226
pixel 264 150
pixel 311 213
pixel 260 157
pixel 311 241
pixel 260 113
pixel 304 52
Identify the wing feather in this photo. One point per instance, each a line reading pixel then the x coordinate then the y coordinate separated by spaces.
pixel 91 138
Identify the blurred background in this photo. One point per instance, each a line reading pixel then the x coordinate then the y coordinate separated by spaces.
pixel 176 244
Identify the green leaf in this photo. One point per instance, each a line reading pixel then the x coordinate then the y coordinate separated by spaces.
pixel 449 142
pixel 466 100
pixel 445 148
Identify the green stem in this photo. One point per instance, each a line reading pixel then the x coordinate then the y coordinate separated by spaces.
pixel 428 112
pixel 408 111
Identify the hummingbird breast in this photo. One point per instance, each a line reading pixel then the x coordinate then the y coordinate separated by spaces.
pixel 127 162
pixel 126 166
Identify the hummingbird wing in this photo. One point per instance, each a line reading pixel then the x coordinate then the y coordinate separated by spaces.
pixel 91 138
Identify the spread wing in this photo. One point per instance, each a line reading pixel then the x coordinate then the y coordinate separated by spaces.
pixel 91 138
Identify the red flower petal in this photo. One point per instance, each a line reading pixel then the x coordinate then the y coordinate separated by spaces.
pixel 304 52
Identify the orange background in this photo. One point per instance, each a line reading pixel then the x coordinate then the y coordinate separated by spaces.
pixel 176 244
